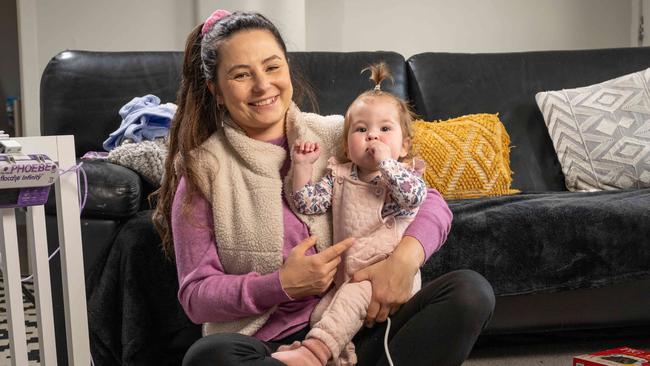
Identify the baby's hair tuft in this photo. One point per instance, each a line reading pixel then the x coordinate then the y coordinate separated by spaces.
pixel 378 73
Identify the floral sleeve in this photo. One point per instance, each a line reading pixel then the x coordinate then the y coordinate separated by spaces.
pixel 407 188
pixel 315 198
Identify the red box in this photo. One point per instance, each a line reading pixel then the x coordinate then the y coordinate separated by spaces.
pixel 623 356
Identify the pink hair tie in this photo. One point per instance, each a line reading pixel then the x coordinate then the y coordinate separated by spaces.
pixel 213 18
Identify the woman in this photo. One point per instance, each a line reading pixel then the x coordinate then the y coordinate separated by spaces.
pixel 250 266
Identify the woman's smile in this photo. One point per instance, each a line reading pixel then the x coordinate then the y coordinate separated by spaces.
pixel 264 102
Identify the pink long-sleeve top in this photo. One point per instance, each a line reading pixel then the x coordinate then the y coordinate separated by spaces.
pixel 208 294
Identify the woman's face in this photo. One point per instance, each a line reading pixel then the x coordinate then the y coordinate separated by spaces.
pixel 254 83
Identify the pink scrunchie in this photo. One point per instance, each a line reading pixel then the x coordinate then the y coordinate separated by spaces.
pixel 213 18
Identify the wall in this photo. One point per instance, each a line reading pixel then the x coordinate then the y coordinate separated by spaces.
pixel 287 15
pixel 116 25
pixel 9 67
pixel 640 7
pixel 52 26
pixel 47 27
pixel 413 26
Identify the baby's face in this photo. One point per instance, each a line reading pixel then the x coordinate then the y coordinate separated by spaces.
pixel 374 121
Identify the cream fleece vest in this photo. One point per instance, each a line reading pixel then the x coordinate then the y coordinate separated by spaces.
pixel 240 177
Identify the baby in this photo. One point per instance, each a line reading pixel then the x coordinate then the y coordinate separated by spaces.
pixel 374 196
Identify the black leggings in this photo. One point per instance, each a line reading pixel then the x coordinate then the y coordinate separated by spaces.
pixel 440 325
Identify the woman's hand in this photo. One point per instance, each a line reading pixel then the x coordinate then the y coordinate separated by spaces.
pixel 392 279
pixel 306 275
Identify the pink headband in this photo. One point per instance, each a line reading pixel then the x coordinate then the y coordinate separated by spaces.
pixel 213 18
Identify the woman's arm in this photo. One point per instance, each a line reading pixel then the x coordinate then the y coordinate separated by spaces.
pixel 392 279
pixel 205 291
pixel 208 294
pixel 431 224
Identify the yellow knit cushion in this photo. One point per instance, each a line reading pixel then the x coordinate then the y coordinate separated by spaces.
pixel 467 157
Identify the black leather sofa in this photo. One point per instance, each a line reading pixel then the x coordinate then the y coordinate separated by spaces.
pixel 545 283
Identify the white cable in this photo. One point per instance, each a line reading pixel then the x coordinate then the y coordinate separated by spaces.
pixel 390 360
pixel 48 259
pixel 78 168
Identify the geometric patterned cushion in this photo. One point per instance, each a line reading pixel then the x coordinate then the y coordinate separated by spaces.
pixel 466 157
pixel 601 133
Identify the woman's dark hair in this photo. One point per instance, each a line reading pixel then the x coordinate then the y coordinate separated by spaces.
pixel 198 115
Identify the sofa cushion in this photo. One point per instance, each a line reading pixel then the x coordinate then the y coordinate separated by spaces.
pixel 548 242
pixel 466 157
pixel 445 85
pixel 602 132
pixel 336 78
pixel 83 91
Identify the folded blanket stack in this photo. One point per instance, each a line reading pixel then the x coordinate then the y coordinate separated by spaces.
pixel 140 143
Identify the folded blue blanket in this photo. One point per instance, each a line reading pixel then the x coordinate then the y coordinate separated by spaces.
pixel 143 118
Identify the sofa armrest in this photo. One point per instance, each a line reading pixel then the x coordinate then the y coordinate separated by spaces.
pixel 114 192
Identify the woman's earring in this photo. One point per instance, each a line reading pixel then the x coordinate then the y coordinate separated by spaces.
pixel 220 114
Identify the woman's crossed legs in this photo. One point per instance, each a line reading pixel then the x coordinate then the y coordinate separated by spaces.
pixel 440 325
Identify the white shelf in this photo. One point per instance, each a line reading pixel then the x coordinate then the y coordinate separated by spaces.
pixel 61 150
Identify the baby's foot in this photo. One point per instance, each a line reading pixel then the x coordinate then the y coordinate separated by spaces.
pixel 312 352
pixel 300 356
